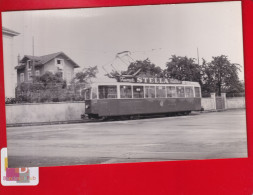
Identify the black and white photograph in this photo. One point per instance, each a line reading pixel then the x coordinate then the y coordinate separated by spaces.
pixel 124 84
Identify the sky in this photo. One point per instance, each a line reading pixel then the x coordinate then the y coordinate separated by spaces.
pixel 93 36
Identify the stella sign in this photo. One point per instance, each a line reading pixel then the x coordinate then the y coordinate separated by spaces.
pixel 150 80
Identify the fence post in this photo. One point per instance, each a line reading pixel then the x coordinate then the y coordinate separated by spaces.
pixel 224 98
pixel 214 100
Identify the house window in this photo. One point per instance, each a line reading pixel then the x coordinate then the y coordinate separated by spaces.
pixel 22 77
pixel 59 63
pixel 37 73
pixel 29 64
pixel 29 76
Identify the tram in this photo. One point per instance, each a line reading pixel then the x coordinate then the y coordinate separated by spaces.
pixel 130 97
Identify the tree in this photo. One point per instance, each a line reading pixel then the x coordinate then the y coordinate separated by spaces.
pixel 140 68
pixel 220 75
pixel 183 68
pixel 81 79
pixel 85 75
pixel 52 87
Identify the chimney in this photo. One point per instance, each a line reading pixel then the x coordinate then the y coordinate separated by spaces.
pixel 18 59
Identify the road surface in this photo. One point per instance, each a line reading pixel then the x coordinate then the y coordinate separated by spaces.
pixel 197 136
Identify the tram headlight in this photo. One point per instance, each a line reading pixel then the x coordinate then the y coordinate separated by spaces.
pixel 87 106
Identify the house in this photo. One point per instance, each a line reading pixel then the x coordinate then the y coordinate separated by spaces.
pixel 8 56
pixel 38 65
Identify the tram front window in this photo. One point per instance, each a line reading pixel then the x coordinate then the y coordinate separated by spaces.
pixel 107 91
pixel 94 93
pixel 87 94
pixel 138 92
pixel 197 91
pixel 125 91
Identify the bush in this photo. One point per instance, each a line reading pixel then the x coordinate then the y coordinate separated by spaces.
pixel 38 93
pixel 10 100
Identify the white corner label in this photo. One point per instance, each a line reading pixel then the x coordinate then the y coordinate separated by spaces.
pixel 25 176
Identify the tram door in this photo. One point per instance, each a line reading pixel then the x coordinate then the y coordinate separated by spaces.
pixel 220 103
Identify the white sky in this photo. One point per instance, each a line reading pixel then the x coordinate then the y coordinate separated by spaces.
pixel 93 36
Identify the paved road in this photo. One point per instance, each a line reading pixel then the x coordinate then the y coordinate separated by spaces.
pixel 198 136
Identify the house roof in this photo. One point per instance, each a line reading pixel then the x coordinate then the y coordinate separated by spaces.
pixel 9 32
pixel 41 60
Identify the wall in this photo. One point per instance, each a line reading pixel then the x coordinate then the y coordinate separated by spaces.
pixel 231 103
pixel 208 104
pixel 9 71
pixel 235 102
pixel 47 112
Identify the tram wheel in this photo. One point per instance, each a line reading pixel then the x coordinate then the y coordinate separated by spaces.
pixel 104 118
pixel 124 118
pixel 134 117
pixel 131 118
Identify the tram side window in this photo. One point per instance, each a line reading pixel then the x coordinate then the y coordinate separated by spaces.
pixel 149 91
pixel 138 91
pixel 180 91
pixel 188 92
pixel 160 92
pixel 94 93
pixel 125 91
pixel 171 92
pixel 107 91
pixel 197 91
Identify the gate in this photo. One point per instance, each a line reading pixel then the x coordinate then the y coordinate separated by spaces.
pixel 220 103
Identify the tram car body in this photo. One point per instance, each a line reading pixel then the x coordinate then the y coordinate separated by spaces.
pixel 133 99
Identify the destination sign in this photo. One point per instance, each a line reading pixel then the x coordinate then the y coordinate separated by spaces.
pixel 150 80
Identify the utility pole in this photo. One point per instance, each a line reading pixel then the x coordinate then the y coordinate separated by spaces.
pixel 33 65
pixel 198 55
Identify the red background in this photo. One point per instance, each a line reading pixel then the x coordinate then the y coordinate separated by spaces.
pixel 224 176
